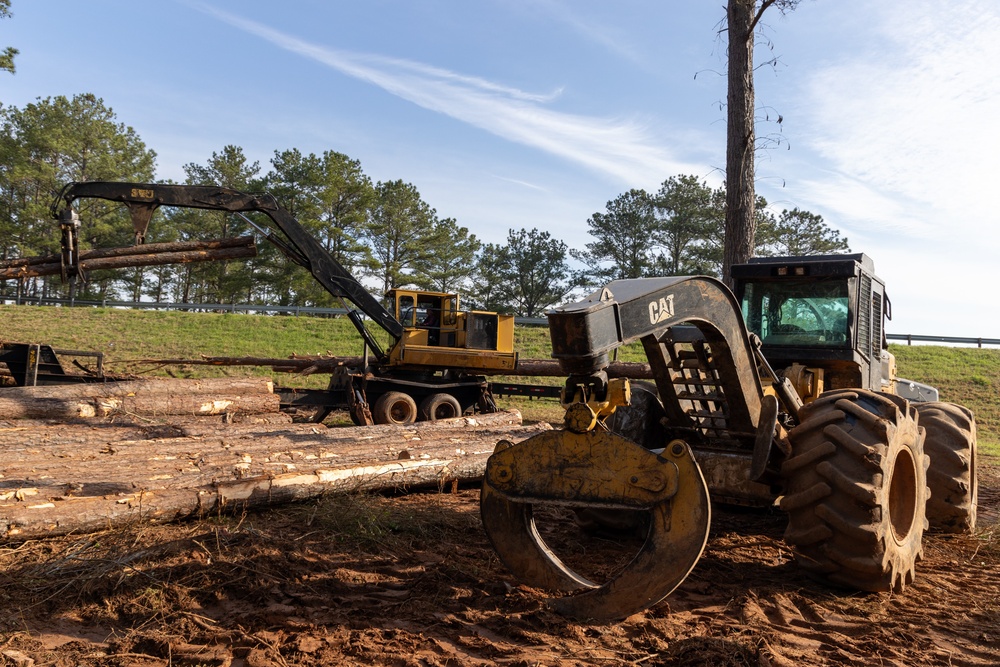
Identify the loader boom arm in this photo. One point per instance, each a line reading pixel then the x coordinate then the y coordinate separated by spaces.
pixel 584 333
pixel 142 199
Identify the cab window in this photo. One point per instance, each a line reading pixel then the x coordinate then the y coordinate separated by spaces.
pixel 798 313
pixel 406 310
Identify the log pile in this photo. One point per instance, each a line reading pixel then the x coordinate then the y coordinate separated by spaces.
pixel 56 485
pixel 149 254
pixel 132 462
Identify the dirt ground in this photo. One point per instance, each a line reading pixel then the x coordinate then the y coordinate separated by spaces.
pixel 411 580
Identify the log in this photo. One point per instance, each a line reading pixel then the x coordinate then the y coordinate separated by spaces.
pixel 52 434
pixel 296 364
pixel 57 488
pixel 320 364
pixel 46 408
pixel 125 261
pixel 151 406
pixel 40 445
pixel 144 249
pixel 190 405
pixel 239 386
pixel 550 368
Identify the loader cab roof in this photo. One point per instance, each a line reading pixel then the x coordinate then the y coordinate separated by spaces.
pixel 805 265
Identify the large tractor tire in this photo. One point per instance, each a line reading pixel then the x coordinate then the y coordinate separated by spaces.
pixel 440 406
pixel 951 446
pixel 856 490
pixel 394 407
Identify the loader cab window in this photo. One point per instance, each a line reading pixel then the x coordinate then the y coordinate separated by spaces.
pixel 428 316
pixel 406 311
pixel 798 313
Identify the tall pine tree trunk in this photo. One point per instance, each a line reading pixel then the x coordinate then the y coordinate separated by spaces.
pixel 740 218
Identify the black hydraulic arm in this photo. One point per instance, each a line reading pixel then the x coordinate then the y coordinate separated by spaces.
pixel 583 334
pixel 142 199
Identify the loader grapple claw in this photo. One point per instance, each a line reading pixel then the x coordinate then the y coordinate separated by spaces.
pixel 597 469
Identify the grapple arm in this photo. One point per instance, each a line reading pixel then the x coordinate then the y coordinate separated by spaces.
pixel 584 333
pixel 142 199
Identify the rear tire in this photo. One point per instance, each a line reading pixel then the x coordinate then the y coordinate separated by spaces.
pixel 856 490
pixel 394 407
pixel 951 446
pixel 440 406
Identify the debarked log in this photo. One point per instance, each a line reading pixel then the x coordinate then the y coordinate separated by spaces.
pixel 154 405
pixel 230 386
pixel 51 490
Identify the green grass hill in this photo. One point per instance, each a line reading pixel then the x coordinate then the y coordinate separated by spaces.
pixel 967 376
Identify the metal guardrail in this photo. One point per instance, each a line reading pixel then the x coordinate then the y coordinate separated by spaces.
pixel 952 340
pixel 909 339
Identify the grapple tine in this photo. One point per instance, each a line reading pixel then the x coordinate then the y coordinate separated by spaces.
pixel 511 529
pixel 591 469
pixel 678 532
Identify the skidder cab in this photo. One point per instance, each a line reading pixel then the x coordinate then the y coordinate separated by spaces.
pixel 819 319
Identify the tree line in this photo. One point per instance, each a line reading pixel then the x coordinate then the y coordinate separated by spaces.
pixel 383 232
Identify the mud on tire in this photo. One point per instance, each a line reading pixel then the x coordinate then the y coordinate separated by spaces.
pixel 951 446
pixel 856 490
pixel 394 407
pixel 439 406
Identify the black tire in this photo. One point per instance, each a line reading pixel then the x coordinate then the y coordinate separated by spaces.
pixel 856 490
pixel 394 407
pixel 951 446
pixel 440 406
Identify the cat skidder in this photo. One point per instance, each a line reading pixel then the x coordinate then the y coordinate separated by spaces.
pixel 782 392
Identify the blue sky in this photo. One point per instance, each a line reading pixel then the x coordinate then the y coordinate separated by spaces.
pixel 535 114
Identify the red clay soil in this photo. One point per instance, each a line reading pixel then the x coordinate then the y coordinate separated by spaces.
pixel 412 580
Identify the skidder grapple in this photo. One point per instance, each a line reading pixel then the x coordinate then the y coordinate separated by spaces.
pixel 780 393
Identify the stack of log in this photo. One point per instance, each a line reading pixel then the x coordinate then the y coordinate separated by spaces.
pixel 226 448
pixel 149 254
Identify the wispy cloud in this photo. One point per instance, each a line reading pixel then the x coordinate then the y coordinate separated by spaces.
pixel 621 148
pixel 913 115
pixel 525 184
pixel 601 34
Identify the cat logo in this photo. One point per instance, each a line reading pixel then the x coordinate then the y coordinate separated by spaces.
pixel 661 310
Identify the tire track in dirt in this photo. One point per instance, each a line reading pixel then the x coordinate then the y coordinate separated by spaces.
pixel 949 616
pixel 412 581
